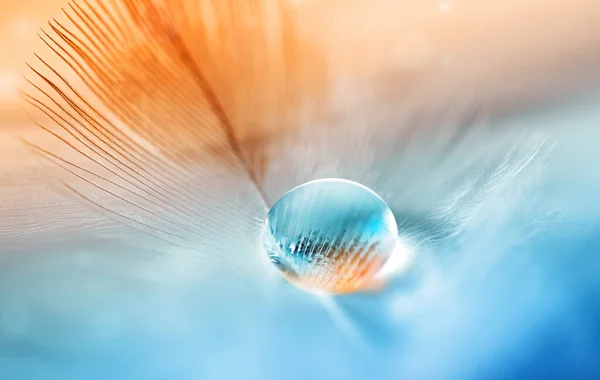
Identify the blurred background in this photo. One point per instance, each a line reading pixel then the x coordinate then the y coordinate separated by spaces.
pixel 432 98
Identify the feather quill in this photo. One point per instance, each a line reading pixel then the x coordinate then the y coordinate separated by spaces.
pixel 162 108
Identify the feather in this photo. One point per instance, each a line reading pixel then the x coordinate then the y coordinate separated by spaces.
pixel 148 105
pixel 166 128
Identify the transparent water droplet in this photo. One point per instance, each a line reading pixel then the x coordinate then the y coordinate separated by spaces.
pixel 330 235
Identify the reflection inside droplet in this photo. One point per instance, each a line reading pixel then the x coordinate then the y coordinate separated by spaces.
pixel 330 235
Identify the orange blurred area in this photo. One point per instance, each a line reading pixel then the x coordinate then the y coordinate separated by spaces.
pixel 19 22
pixel 501 44
pixel 510 51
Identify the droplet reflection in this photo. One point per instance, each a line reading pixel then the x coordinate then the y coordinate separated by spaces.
pixel 330 235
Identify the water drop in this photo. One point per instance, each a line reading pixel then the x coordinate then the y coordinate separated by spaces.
pixel 330 235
